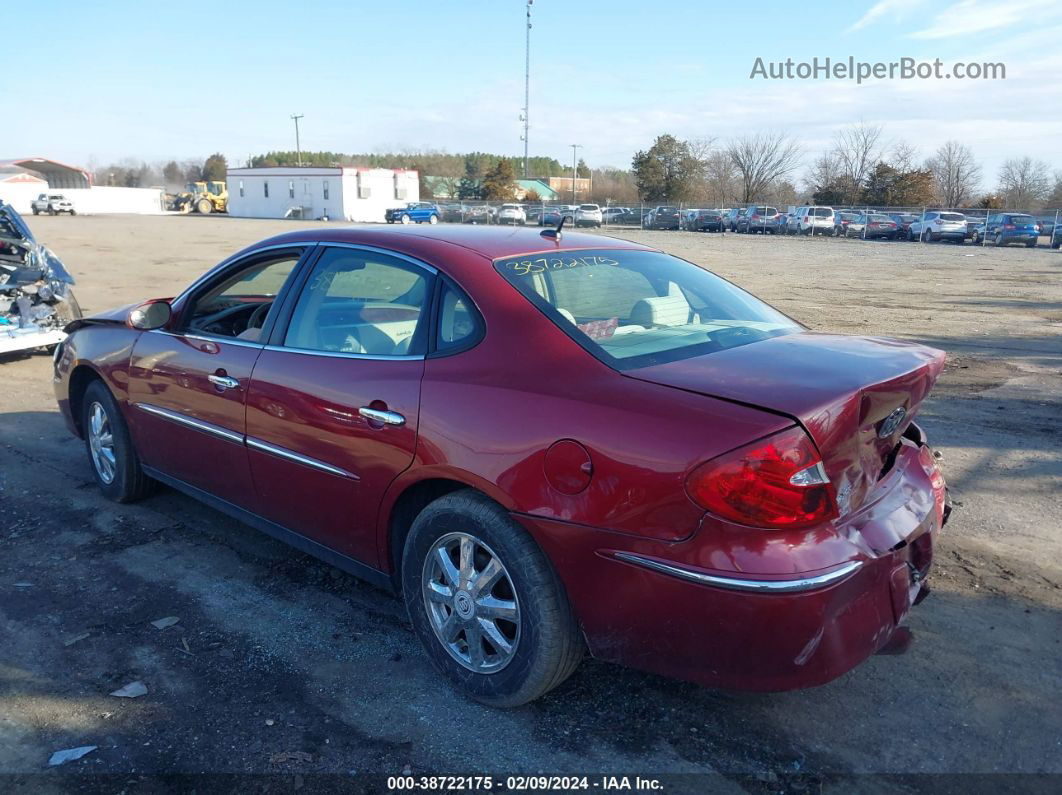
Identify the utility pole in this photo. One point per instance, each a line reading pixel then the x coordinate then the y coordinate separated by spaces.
pixel 298 149
pixel 525 117
pixel 575 149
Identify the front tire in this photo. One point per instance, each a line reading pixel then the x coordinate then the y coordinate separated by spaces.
pixel 112 457
pixel 486 603
pixel 405 218
pixel 433 220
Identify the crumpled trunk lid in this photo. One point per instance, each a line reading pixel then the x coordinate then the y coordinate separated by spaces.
pixel 855 396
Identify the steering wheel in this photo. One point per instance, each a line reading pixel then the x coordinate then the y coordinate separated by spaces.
pixel 258 316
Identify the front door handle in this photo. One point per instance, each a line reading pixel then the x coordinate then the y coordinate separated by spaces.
pixel 223 381
pixel 386 417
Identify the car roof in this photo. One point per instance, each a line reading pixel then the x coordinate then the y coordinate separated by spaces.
pixel 487 241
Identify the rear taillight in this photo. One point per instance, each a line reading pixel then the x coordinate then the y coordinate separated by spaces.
pixel 777 482
pixel 1008 226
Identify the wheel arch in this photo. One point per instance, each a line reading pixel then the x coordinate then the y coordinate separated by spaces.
pixel 81 377
pixel 407 497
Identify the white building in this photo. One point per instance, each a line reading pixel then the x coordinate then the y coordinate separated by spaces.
pixel 23 179
pixel 345 193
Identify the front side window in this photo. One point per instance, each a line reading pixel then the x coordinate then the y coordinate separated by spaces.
pixel 634 309
pixel 241 188
pixel 240 305
pixel 291 189
pixel 265 189
pixel 325 189
pixel 361 302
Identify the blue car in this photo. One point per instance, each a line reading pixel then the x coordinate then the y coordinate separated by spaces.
pixel 1005 228
pixel 414 212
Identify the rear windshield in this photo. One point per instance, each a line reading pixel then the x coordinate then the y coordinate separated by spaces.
pixel 1022 219
pixel 822 212
pixel 634 309
pixel 878 217
pixel 952 217
pixel 588 207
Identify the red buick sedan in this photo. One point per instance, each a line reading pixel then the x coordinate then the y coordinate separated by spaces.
pixel 546 445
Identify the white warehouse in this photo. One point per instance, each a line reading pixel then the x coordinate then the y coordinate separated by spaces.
pixel 345 193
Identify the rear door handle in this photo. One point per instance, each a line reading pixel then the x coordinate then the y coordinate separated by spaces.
pixel 223 381
pixel 386 417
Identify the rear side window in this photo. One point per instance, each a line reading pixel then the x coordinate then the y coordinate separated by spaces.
pixel 459 323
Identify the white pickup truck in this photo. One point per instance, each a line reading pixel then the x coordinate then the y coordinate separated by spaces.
pixel 53 204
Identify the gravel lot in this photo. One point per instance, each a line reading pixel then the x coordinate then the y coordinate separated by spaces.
pixel 275 652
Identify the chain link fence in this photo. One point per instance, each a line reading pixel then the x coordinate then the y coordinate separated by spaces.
pixel 765 217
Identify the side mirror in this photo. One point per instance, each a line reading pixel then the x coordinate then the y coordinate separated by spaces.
pixel 150 315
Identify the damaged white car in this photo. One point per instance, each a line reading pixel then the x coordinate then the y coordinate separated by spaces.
pixel 36 301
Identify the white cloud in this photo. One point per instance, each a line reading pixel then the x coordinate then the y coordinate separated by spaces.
pixel 977 16
pixel 880 9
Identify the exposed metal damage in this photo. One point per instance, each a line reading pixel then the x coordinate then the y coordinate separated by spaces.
pixel 36 301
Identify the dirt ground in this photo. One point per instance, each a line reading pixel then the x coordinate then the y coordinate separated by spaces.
pixel 275 652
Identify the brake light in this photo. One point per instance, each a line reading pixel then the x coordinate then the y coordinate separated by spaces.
pixel 1008 226
pixel 777 482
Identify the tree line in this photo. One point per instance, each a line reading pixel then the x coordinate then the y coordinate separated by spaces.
pixel 173 175
pixel 861 167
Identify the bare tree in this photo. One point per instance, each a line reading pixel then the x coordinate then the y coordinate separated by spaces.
pixel 762 159
pixel 720 179
pixel 1024 182
pixel 858 149
pixel 956 174
pixel 903 157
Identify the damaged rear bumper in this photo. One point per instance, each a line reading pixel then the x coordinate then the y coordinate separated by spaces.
pixel 672 609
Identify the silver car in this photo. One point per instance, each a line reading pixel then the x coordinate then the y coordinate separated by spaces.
pixel 588 215
pixel 939 225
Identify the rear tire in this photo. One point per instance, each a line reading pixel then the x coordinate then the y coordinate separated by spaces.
pixel 523 605
pixel 1031 244
pixel 112 457
pixel 433 220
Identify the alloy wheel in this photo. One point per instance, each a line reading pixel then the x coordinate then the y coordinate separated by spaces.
pixel 471 603
pixel 101 443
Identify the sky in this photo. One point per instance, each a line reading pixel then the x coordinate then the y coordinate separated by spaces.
pixel 90 83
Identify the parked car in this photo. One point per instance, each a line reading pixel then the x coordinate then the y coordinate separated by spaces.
pixel 903 222
pixel 1056 236
pixel 512 214
pixel 1006 228
pixel 662 218
pixel 939 225
pixel 480 214
pixel 52 204
pixel 778 225
pixel 453 213
pixel 877 225
pixel 812 220
pixel 668 448
pixel 733 216
pixel 551 216
pixel 414 212
pixel 706 221
pixel 610 215
pixel 588 215
pixel 757 218
pixel 1047 224
pixel 847 223
pixel 36 299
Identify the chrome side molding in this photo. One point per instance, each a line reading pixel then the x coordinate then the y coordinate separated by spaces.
pixel 192 422
pixel 743 584
pixel 298 458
